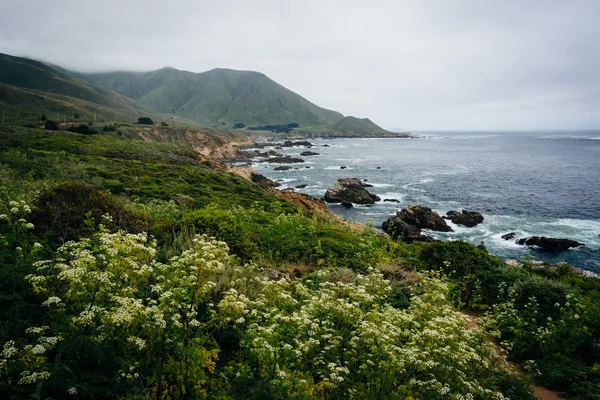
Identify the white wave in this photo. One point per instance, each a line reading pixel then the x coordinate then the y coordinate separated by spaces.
pixel 380 185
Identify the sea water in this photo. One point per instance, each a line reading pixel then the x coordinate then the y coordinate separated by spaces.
pixel 530 183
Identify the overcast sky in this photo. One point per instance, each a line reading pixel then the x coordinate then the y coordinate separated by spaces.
pixel 410 64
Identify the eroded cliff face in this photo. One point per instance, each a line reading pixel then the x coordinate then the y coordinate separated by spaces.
pixel 219 155
pixel 219 152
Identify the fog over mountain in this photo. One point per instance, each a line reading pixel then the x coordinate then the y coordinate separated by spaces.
pixel 414 65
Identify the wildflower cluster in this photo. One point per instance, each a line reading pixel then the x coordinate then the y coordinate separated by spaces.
pixel 345 340
pixel 115 309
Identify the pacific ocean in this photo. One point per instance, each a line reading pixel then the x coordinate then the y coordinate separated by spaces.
pixel 530 183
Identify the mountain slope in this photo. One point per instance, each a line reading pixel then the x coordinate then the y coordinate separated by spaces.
pixel 217 96
pixel 361 125
pixel 34 75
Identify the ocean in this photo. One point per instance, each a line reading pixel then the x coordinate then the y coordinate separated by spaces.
pixel 530 183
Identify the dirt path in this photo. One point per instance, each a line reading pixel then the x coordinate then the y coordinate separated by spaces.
pixel 539 391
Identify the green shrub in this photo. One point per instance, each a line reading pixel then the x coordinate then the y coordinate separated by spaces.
pixel 72 210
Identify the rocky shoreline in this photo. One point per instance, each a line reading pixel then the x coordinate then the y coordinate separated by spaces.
pixel 407 224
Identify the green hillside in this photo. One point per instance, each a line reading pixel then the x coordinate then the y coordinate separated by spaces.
pixel 34 75
pixel 216 97
pixel 353 124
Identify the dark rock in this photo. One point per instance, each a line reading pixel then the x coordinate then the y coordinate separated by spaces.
pixel 378 168
pixel 325 145
pixel 283 168
pixel 307 167
pixel 263 180
pixel 549 244
pixel 451 214
pixel 351 190
pixel 466 218
pixel 289 143
pixel 367 185
pixel 508 236
pixel 423 218
pixel 301 186
pixel 309 153
pixel 392 200
pixel 347 204
pixel 397 228
pixel 343 167
pixel 285 160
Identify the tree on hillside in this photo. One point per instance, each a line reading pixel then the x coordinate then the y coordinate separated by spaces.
pixel 145 121
pixel 51 125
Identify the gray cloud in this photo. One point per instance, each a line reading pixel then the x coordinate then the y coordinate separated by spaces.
pixel 413 64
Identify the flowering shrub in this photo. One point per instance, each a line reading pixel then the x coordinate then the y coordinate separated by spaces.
pixel 342 340
pixel 119 321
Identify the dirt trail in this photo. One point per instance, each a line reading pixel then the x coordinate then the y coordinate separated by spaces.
pixel 539 391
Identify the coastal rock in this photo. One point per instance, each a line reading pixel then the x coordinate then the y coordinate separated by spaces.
pixel 283 168
pixel 466 218
pixel 309 153
pixel 549 244
pixel 285 160
pixel 351 190
pixel 422 217
pixel 397 228
pixel 508 236
pixel 289 143
pixel 263 180
pixel 392 200
pixel 347 204
pixel 302 186
pixel 343 167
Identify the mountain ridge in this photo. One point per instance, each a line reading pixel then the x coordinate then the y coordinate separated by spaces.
pixel 220 97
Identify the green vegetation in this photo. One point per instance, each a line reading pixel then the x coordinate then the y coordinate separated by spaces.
pixel 145 121
pixel 215 97
pixel 132 268
pixel 360 125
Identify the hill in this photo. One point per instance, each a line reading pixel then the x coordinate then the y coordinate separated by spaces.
pixel 216 97
pixel 361 125
pixel 219 98
pixel 34 75
pixel 31 90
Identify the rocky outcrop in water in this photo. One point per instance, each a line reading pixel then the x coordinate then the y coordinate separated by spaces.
pixel 422 217
pixel 549 244
pixel 466 218
pixel 289 143
pixel 508 236
pixel 309 153
pixel 350 190
pixel 285 160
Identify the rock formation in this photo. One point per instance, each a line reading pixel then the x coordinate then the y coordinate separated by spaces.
pixel 351 190
pixel 549 244
pixel 422 217
pixel 466 218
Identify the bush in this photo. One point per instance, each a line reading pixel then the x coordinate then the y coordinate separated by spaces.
pixel 83 129
pixel 109 128
pixel 51 125
pixel 70 210
pixel 145 121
